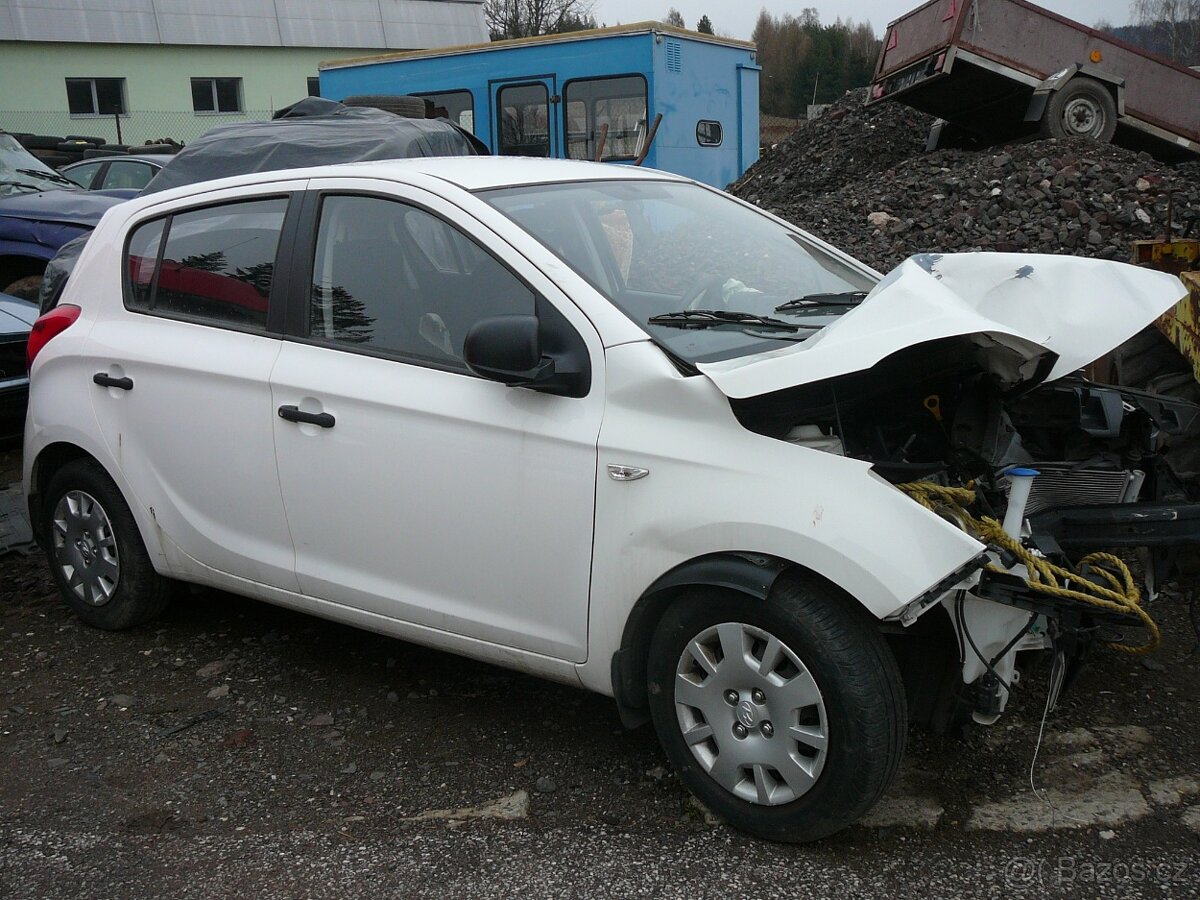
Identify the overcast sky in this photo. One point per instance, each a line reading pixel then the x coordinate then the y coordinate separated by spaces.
pixel 737 17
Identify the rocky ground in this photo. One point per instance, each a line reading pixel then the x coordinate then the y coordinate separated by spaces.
pixel 858 178
pixel 233 748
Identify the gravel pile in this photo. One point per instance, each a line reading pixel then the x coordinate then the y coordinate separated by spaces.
pixel 858 178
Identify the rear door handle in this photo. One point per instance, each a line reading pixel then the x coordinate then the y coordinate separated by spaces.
pixel 105 380
pixel 295 414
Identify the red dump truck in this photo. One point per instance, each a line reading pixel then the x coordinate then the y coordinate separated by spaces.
pixel 998 69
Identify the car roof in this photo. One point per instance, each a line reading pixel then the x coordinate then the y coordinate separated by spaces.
pixel 157 159
pixel 471 173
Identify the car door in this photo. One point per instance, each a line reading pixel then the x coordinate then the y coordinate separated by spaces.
pixel 182 382
pixel 413 488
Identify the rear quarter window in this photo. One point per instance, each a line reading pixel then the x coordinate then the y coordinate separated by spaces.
pixel 214 265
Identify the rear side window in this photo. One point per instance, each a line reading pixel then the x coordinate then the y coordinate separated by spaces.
pixel 214 265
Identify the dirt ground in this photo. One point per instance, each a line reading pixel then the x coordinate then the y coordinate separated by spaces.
pixel 236 749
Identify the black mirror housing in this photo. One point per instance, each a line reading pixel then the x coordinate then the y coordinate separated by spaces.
pixel 512 350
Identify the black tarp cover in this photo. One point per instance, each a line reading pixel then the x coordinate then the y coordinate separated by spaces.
pixel 313 132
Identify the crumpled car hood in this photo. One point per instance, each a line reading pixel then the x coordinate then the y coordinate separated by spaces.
pixel 1023 305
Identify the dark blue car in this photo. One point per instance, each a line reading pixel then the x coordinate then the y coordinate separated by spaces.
pixel 40 211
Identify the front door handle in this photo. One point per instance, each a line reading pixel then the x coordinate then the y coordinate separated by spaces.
pixel 105 380
pixel 295 414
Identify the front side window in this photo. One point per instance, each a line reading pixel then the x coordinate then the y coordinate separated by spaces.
pixel 658 248
pixel 216 265
pixel 395 279
pixel 592 104
pixel 217 95
pixel 523 120
pixel 96 96
pixel 457 106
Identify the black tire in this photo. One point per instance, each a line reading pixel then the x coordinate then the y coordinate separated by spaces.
pixel 41 142
pixel 161 149
pixel 865 717
pixel 74 146
pixel 94 141
pixel 102 151
pixel 138 593
pixel 400 104
pixel 26 288
pixel 1084 108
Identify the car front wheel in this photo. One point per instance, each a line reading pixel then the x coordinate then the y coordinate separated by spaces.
pixel 786 717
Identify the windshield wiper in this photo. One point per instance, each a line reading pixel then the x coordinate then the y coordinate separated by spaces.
pixel 21 184
pixel 845 298
pixel 48 176
pixel 710 318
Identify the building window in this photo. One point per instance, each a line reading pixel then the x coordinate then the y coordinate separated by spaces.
pixel 217 95
pixel 96 96
pixel 618 103
pixel 314 86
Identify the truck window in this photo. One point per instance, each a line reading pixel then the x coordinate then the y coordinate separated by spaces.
pixel 457 106
pixel 591 103
pixel 523 120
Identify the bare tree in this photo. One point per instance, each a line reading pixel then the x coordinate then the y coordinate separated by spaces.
pixel 1174 24
pixel 525 18
pixel 674 17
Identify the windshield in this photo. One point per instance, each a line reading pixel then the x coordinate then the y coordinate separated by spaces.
pixel 705 276
pixel 23 173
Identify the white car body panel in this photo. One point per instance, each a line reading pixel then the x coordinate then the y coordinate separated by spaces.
pixel 714 486
pixel 1029 302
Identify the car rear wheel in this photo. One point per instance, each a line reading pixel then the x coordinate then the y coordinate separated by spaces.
pixel 96 553
pixel 786 717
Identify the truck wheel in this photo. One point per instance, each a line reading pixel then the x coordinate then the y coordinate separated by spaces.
pixel 1084 108
pixel 786 717
pixel 400 104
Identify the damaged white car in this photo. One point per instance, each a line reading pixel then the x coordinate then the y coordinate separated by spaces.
pixel 617 429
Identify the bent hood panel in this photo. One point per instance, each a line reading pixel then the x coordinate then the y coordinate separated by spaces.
pixel 1078 309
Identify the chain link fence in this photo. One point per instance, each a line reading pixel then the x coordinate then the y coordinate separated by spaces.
pixel 132 128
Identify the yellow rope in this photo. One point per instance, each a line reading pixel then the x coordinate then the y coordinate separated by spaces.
pixel 1121 595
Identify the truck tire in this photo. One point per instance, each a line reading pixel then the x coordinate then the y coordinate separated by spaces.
pixel 94 141
pixel 1084 108
pixel 400 104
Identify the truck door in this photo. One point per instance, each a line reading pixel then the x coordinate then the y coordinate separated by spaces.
pixel 526 117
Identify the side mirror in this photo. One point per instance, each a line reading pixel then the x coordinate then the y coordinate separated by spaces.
pixel 529 351
pixel 507 349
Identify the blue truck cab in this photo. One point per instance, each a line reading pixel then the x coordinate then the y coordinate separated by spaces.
pixel 554 95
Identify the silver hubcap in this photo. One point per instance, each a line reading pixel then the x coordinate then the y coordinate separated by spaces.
pixel 1083 117
pixel 85 548
pixel 751 713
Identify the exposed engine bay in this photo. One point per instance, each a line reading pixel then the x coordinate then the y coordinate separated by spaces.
pixel 964 418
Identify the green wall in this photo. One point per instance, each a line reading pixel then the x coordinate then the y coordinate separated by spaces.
pixel 33 94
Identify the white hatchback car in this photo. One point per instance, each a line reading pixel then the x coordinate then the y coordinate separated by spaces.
pixel 604 425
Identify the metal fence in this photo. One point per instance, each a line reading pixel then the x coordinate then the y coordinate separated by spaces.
pixel 132 128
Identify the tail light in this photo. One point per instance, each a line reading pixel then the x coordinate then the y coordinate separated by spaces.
pixel 52 323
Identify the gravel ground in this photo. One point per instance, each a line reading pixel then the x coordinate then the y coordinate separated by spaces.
pixel 858 178
pixel 232 748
